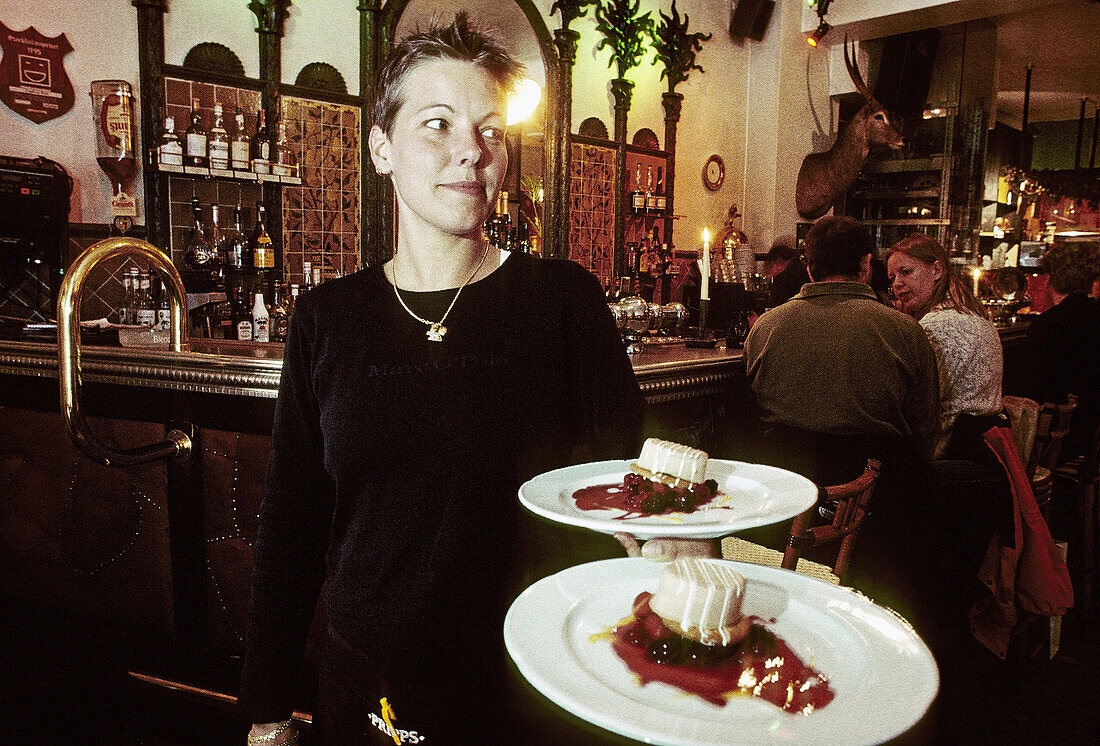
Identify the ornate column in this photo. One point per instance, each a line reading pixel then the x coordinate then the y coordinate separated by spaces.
pixel 672 103
pixel 270 22
pixel 621 89
pixel 374 244
pixel 561 125
pixel 150 23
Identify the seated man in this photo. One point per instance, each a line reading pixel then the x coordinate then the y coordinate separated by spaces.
pixel 839 377
pixel 784 265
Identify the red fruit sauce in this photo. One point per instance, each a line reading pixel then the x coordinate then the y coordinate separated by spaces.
pixel 761 665
pixel 639 496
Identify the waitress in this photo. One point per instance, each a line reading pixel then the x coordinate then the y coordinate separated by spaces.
pixel 416 397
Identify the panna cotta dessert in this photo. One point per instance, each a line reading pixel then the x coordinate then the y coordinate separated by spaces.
pixel 672 463
pixel 700 599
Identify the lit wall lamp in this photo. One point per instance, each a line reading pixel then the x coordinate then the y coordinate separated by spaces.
pixel 523 101
pixel 822 7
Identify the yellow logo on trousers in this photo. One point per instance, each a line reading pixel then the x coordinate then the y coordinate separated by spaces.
pixel 389 716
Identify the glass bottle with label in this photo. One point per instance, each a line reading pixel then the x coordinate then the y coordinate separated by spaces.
pixel 637 197
pixel 650 196
pixel 240 145
pixel 261 146
pixel 125 310
pixel 260 319
pixel 195 141
pixel 218 142
pixel 170 149
pixel 242 316
pixel 280 316
pixel 197 251
pixel 263 254
pixel 237 256
pixel 659 192
pixel 146 311
pixel 283 162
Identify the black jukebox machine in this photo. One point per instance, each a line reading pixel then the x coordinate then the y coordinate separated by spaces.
pixel 34 235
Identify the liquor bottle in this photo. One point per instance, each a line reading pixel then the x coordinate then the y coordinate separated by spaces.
pixel 659 192
pixel 240 145
pixel 280 316
pixel 260 151
pixel 650 196
pixel 283 162
pixel 631 257
pixel 195 154
pixel 263 254
pixel 146 311
pixel 160 302
pixel 170 149
pixel 124 310
pixel 215 238
pixel 197 252
pixel 236 246
pixel 292 302
pixel 307 275
pixel 260 319
pixel 242 317
pixel 222 326
pixel 217 145
pixel 637 197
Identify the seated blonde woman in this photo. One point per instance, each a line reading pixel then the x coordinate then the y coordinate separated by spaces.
pixel 967 346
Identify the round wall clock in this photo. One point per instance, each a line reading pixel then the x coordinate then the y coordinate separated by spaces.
pixel 714 172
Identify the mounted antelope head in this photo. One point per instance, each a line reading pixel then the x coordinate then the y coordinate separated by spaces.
pixel 825 176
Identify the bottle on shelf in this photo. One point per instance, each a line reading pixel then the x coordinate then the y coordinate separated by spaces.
pixel 222 321
pixel 160 302
pixel 215 238
pixel 170 149
pixel 260 319
pixel 307 275
pixel 197 252
pixel 195 137
pixel 240 145
pixel 260 151
pixel 259 245
pixel 217 144
pixel 125 311
pixel 637 197
pixel 659 202
pixel 283 162
pixel 237 256
pixel 242 316
pixel 650 196
pixel 293 300
pixel 146 311
pixel 280 315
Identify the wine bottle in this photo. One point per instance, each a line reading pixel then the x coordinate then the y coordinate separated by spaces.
pixel 263 256
pixel 240 145
pixel 650 196
pixel 280 316
pixel 170 149
pixel 660 204
pixel 637 197
pixel 283 162
pixel 260 151
pixel 217 144
pixel 236 246
pixel 242 317
pixel 195 154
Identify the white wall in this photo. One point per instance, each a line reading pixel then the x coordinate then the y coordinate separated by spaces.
pixel 322 31
pixel 103 35
pixel 226 22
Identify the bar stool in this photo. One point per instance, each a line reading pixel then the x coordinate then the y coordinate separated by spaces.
pixel 843 508
pixel 1051 430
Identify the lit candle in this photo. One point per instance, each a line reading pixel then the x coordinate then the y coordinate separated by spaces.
pixel 704 267
pixel 977 274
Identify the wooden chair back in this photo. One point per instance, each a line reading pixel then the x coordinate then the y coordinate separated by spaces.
pixel 1050 432
pixel 843 508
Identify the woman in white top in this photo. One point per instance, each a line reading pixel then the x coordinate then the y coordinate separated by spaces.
pixel 967 346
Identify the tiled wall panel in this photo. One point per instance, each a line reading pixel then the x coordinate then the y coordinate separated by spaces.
pixel 592 208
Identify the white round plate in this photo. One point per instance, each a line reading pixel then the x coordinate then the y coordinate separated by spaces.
pixel 883 674
pixel 754 495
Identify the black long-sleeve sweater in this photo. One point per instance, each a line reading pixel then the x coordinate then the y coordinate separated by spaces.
pixel 399 459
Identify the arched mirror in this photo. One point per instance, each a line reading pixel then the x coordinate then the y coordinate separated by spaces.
pixel 521 27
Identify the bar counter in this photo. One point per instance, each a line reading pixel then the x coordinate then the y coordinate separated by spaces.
pixel 666 372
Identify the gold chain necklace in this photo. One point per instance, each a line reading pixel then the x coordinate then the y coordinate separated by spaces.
pixel 436 330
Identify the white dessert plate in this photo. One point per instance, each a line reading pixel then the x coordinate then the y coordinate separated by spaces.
pixel 883 674
pixel 752 495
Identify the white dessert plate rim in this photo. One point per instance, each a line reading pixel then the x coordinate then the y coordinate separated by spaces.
pixel 883 674
pixel 756 495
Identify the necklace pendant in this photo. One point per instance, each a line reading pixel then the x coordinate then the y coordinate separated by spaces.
pixel 436 332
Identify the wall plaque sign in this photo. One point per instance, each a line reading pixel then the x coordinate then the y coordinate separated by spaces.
pixel 33 82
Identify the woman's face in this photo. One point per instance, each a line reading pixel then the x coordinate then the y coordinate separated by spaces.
pixel 912 281
pixel 446 152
